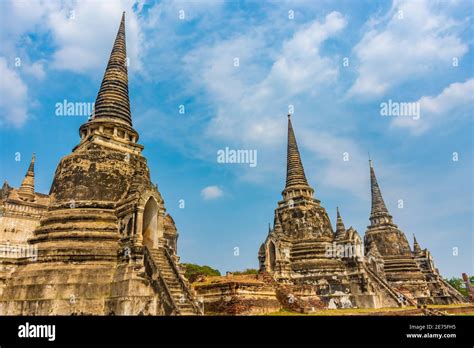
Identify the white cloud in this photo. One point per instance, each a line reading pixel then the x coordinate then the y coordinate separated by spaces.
pixel 395 50
pixel 252 101
pixel 23 16
pixel 81 44
pixel 84 32
pixel 249 97
pixel 300 66
pixel 13 100
pixel 35 69
pixel 346 165
pixel 211 192
pixel 453 102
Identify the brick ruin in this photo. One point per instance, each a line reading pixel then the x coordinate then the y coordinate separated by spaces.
pixel 302 249
pixel 310 266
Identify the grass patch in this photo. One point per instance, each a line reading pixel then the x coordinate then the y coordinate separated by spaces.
pixel 349 311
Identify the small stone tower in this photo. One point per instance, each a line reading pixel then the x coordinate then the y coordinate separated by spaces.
pixel 26 192
pixel 410 273
pixel 302 229
pixel 302 250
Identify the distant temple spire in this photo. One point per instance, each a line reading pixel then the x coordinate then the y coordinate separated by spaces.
pixel 416 246
pixel 27 188
pixel 379 213
pixel 296 183
pixel 112 101
pixel 340 228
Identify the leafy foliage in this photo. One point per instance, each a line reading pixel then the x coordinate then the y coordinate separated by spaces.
pixel 193 271
pixel 247 271
pixel 458 284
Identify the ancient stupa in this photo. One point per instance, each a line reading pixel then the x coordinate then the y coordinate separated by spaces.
pixel 412 273
pixel 105 245
pixel 304 252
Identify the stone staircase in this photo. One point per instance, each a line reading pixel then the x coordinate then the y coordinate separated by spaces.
pixel 402 267
pixel 163 271
pixel 308 250
pixel 396 295
pixel 452 291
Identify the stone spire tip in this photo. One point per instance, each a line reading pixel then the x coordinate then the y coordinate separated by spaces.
pixel 113 102
pixel 416 246
pixel 340 227
pixel 27 188
pixel 379 211
pixel 295 175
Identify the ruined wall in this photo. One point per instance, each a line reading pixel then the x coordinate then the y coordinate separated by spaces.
pixel 131 292
pixel 238 295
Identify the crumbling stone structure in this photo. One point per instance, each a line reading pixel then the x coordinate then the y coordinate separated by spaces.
pixel 20 213
pixel 409 272
pixel 303 250
pixel 21 209
pixel 105 244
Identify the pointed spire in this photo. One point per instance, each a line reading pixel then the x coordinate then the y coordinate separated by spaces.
pixel 5 190
pixel 416 246
pixel 340 228
pixel 112 101
pixel 295 176
pixel 379 213
pixel 294 171
pixel 27 188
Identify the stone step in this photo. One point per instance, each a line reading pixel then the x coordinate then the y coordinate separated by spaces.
pixel 173 282
pixel 170 279
pixel 167 272
pixel 401 269
pixel 176 290
pixel 186 308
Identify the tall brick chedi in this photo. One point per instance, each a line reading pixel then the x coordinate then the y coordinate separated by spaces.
pixel 412 273
pixel 304 253
pixel 106 244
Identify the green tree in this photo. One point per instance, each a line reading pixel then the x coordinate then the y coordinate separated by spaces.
pixel 247 271
pixel 194 271
pixel 459 285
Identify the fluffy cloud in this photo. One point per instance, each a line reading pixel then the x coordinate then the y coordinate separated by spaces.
pixel 23 16
pixel 251 100
pixel 248 97
pixel 300 66
pixel 453 102
pixel 211 192
pixel 35 69
pixel 411 41
pixel 346 165
pixel 84 32
pixel 13 100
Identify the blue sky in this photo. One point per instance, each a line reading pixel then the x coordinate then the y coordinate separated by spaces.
pixel 289 53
